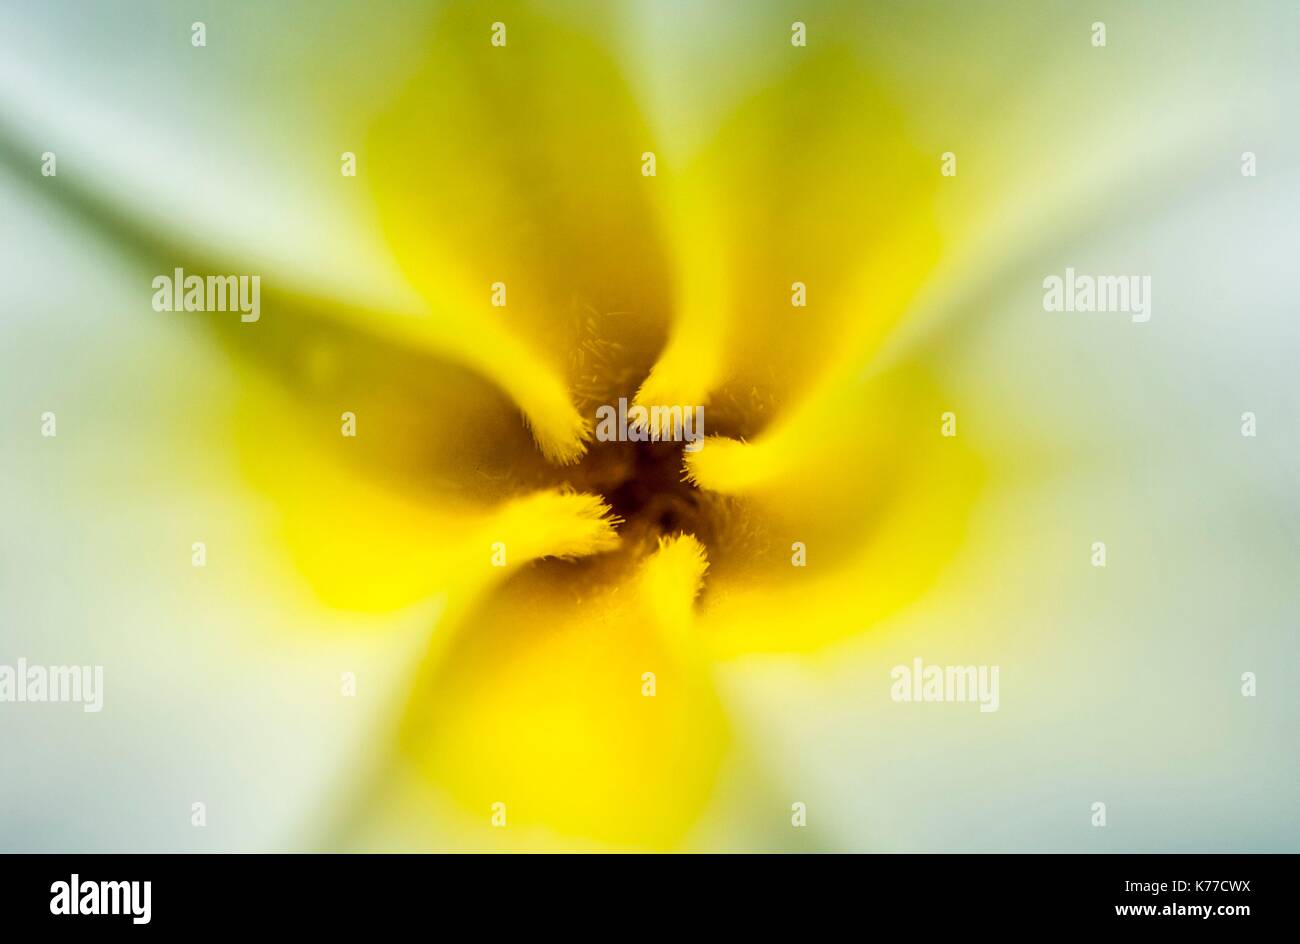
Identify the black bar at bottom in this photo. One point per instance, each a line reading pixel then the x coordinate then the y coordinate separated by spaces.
pixel 333 894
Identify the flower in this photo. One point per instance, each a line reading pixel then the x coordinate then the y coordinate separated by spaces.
pixel 619 644
pixel 518 167
pixel 589 590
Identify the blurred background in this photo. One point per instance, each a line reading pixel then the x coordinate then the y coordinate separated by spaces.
pixel 1119 684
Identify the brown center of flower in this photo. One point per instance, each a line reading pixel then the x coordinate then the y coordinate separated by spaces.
pixel 644 485
pixel 654 497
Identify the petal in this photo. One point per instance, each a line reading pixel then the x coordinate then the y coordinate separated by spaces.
pixel 669 581
pixel 514 171
pixel 221 682
pixel 812 180
pixel 542 705
pixel 368 547
pixel 842 512
pixel 362 314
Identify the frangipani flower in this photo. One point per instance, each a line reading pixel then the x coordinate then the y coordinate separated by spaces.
pixel 573 684
pixel 590 587
pixel 564 615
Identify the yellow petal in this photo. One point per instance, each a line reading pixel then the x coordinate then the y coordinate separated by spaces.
pixel 508 182
pixel 374 542
pixel 541 706
pixel 669 581
pixel 844 511
pixel 552 524
pixel 840 204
